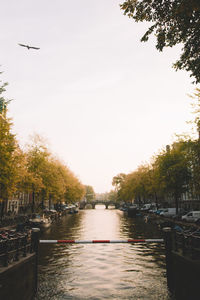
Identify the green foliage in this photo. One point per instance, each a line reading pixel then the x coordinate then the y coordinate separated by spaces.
pixel 135 185
pixel 174 171
pixel 74 189
pixel 173 22
pixel 193 158
pixel 3 101
pixel 108 196
pixel 112 196
pixel 35 170
pixel 118 180
pixel 50 178
pixel 89 193
pixel 169 174
pixel 9 163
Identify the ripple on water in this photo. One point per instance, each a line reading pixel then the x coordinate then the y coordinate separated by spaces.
pixel 101 271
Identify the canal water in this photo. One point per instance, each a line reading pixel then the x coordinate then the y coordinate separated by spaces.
pixel 101 271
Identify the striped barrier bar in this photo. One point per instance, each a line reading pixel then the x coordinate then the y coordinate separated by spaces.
pixel 101 241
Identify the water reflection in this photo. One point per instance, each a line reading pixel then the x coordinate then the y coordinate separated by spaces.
pixel 101 271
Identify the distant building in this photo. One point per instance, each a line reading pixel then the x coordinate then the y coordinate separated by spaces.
pixel 19 203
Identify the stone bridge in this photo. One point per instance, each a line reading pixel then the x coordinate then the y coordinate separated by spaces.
pixel 97 202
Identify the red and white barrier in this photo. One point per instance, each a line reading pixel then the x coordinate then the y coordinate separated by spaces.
pixel 130 241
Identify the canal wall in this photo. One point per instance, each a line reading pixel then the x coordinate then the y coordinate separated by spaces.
pixel 18 280
pixel 185 277
pixel 182 264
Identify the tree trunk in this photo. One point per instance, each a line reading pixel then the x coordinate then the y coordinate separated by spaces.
pixel 43 197
pixel 33 202
pixel 2 209
pixel 156 199
pixel 139 198
pixel 49 201
pixel 176 203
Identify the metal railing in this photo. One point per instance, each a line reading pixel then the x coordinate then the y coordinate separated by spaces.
pixel 12 249
pixel 186 244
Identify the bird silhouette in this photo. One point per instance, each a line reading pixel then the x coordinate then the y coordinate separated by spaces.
pixel 28 47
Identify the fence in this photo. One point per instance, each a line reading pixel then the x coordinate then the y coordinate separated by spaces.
pixel 186 244
pixel 129 241
pixel 14 248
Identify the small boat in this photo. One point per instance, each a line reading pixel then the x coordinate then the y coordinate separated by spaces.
pixel 132 211
pixel 73 211
pixel 40 222
pixel 123 208
pixel 45 222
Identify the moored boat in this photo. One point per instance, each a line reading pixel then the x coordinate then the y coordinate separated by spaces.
pixel 132 211
pixel 40 222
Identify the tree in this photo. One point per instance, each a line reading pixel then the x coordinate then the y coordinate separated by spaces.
pixel 171 173
pixel 193 157
pixel 112 196
pixel 49 178
pixel 174 22
pixel 7 149
pixel 9 154
pixel 155 186
pixel 174 171
pixel 37 157
pixel 74 188
pixel 193 148
pixel 135 185
pixel 34 171
pixel 89 193
pixel 118 180
pixel 3 101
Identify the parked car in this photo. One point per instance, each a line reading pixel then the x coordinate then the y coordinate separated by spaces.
pixel 180 214
pixel 153 210
pixel 146 206
pixel 158 211
pixel 170 212
pixel 64 207
pixel 192 216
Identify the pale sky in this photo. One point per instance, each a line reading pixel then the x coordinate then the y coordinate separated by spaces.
pixel 105 101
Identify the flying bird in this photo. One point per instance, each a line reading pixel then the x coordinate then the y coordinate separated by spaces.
pixel 28 47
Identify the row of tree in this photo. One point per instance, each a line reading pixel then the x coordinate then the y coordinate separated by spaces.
pixel 33 170
pixel 171 174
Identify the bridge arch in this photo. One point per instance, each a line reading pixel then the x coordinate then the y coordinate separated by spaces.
pixel 94 203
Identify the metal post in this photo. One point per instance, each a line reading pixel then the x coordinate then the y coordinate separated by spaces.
pixel 192 247
pixel 35 244
pixel 175 241
pixel 183 244
pixel 17 241
pixel 168 250
pixel 5 246
pixel 25 245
